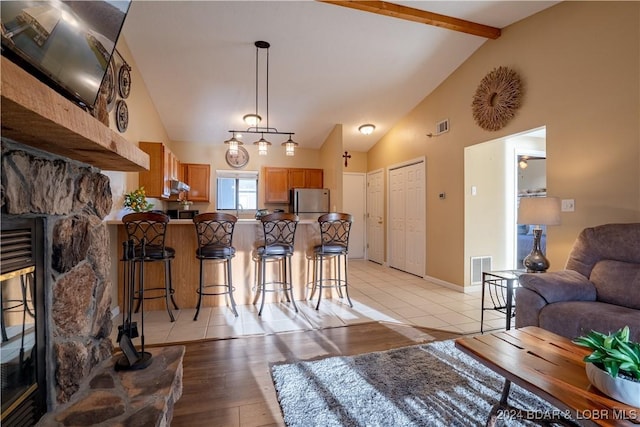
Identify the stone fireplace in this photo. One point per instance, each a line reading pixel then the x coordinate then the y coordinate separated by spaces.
pixel 72 198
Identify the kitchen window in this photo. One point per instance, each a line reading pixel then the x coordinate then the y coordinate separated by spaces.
pixel 237 190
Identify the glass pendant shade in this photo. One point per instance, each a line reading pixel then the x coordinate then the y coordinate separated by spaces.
pixel 233 145
pixel 263 146
pixel 252 120
pixel 290 147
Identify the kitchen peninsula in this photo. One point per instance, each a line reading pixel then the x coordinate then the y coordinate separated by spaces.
pixel 181 236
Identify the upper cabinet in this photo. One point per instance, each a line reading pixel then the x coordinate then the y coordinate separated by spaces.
pixel 197 176
pixel 276 185
pixel 163 167
pixel 278 181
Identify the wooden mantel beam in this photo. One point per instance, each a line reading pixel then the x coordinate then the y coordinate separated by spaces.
pixel 417 15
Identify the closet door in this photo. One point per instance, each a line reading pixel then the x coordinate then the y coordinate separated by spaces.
pixel 375 216
pixel 415 219
pixel 397 218
pixel 407 218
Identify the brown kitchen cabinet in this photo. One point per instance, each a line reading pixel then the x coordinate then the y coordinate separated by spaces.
pixel 278 181
pixel 305 178
pixel 198 177
pixel 276 185
pixel 163 167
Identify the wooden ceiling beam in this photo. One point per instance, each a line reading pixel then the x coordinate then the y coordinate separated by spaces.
pixel 417 15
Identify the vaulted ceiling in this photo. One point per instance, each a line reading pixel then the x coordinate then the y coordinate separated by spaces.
pixel 328 64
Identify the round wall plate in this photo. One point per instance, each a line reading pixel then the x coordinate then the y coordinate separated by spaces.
pixel 124 81
pixel 122 115
pixel 237 160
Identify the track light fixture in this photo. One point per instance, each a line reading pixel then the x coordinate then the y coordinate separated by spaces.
pixel 253 119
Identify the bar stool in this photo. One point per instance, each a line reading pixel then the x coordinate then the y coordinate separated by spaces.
pixel 215 235
pixel 279 233
pixel 334 234
pixel 147 230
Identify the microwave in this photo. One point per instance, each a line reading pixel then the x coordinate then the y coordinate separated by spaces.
pixel 190 214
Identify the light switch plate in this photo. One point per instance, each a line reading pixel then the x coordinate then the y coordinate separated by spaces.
pixel 568 205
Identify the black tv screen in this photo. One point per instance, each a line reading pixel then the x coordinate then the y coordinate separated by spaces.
pixel 68 44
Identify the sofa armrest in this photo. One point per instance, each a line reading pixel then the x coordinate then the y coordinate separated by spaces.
pixel 565 285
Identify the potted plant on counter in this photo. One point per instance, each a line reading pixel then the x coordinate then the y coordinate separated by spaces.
pixel 137 201
pixel 614 365
pixel 184 203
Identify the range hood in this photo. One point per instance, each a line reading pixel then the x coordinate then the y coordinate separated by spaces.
pixel 178 186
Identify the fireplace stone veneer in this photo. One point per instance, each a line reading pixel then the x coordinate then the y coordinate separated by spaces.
pixel 72 198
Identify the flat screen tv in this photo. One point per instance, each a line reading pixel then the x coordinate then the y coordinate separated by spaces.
pixel 65 44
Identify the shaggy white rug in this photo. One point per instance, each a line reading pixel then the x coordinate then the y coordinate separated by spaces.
pixel 425 385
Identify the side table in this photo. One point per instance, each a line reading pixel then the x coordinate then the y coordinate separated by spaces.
pixel 500 286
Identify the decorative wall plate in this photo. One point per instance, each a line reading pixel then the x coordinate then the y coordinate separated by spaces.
pixel 110 83
pixel 497 98
pixel 122 115
pixel 237 160
pixel 124 81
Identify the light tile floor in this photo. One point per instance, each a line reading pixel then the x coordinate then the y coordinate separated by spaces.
pixel 378 294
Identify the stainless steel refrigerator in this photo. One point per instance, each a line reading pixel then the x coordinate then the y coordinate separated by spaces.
pixel 309 200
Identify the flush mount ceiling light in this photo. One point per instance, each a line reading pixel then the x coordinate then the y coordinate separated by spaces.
pixel 253 119
pixel 367 129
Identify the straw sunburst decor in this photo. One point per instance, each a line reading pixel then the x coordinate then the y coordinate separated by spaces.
pixel 497 98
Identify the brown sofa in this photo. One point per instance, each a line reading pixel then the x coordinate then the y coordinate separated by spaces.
pixel 599 289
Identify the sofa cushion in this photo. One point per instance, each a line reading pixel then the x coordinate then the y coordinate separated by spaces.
pixel 619 242
pixel 575 318
pixel 617 282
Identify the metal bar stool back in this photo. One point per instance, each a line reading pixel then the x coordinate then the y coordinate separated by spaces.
pixel 334 235
pixel 279 234
pixel 214 231
pixel 151 228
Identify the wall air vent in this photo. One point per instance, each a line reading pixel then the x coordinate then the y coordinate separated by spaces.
pixel 442 127
pixel 478 265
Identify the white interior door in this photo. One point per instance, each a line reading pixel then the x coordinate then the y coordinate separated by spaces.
pixel 397 218
pixel 375 217
pixel 354 193
pixel 407 218
pixel 415 219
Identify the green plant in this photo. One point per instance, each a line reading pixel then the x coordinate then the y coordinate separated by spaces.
pixel 613 352
pixel 137 201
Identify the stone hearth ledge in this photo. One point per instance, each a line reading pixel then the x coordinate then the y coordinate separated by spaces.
pixel 125 398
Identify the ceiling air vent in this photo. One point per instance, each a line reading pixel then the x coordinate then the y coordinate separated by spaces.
pixel 442 127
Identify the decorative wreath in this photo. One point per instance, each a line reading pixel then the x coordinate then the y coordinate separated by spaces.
pixel 497 98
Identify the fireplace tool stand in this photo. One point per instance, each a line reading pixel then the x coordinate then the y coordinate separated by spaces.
pixel 132 359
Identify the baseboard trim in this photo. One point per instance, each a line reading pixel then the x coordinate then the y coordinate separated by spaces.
pixel 449 285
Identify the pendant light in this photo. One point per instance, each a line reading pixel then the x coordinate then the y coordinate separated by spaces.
pixel 253 119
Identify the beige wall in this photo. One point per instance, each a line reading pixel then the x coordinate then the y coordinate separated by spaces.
pixel 330 158
pixel 357 162
pixel 144 125
pixel 214 154
pixel 580 65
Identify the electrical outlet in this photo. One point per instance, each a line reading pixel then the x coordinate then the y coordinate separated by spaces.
pixel 568 205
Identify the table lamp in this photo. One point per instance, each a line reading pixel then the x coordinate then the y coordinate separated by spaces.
pixel 538 211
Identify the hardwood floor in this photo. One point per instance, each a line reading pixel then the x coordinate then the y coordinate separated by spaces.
pixel 228 382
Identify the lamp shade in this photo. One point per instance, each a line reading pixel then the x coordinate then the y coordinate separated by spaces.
pixel 539 211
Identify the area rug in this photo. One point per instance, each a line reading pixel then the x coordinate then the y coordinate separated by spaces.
pixel 425 385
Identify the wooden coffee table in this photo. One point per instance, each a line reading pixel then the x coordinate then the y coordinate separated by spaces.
pixel 551 367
